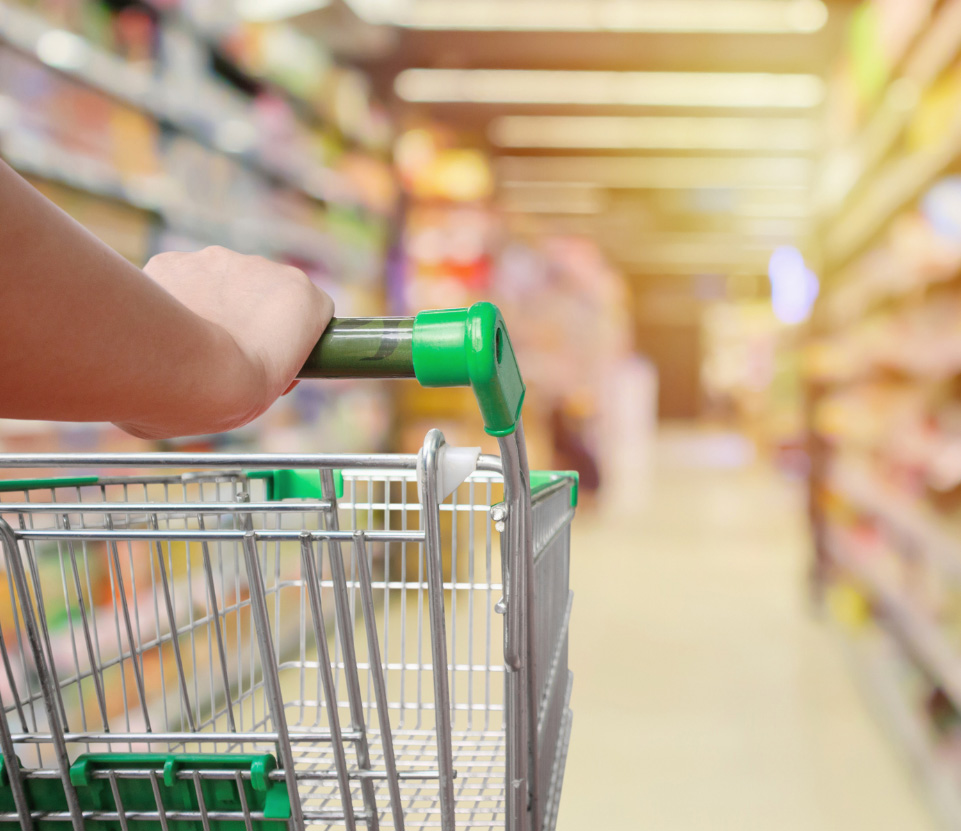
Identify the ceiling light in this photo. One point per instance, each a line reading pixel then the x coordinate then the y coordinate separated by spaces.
pixel 653 89
pixel 798 209
pixel 615 133
pixel 266 11
pixel 659 172
pixel 727 16
pixel 553 201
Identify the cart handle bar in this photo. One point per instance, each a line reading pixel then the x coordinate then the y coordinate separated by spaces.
pixel 441 348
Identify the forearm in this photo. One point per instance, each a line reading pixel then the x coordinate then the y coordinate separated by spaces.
pixel 86 336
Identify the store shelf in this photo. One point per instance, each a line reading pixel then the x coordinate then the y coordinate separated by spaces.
pixel 48 161
pixel 893 189
pixel 874 662
pixel 214 41
pixel 927 535
pixel 917 632
pixel 896 185
pixel 132 85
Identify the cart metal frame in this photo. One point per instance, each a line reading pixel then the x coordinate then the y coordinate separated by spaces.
pixel 488 755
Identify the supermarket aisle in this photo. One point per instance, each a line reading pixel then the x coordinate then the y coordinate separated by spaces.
pixel 706 697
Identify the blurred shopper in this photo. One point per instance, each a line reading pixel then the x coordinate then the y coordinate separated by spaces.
pixel 571 451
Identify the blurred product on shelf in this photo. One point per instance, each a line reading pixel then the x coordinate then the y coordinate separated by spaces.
pixel 750 373
pixel 882 370
pixel 574 343
pixel 171 126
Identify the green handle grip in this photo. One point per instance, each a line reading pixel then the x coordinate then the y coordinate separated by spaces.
pixel 443 348
pixel 363 347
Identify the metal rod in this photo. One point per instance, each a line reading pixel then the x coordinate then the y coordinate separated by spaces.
pixel 213 536
pixel 43 674
pixel 268 659
pixel 326 676
pixel 95 672
pixel 215 614
pixel 380 686
pixel 438 625
pixel 174 631
pixel 158 508
pixel 190 460
pixel 180 737
pixel 345 626
pixel 12 768
pixel 521 696
pixel 128 626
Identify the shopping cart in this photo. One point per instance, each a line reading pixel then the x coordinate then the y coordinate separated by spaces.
pixel 221 641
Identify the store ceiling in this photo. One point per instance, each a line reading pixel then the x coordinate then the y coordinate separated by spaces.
pixel 712 186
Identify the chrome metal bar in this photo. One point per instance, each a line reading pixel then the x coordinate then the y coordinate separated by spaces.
pixel 178 815
pixel 438 622
pixel 161 811
pixel 160 508
pixel 128 626
pixel 44 629
pixel 202 803
pixel 118 802
pixel 380 687
pixel 269 535
pixel 174 631
pixel 327 678
pixel 244 806
pixel 47 685
pixel 216 623
pixel 268 659
pixel 222 775
pixel 176 737
pixel 313 461
pixel 345 627
pixel 11 767
pixel 95 674
pixel 521 697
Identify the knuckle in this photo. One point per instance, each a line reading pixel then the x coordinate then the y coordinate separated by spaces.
pixel 165 258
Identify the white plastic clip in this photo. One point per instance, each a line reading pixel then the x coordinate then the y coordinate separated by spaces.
pixel 454 465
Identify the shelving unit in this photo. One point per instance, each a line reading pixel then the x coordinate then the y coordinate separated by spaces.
pixel 883 365
pixel 147 92
pixel 874 658
pixel 187 147
pixel 884 186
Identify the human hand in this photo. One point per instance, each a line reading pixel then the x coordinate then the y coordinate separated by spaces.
pixel 264 319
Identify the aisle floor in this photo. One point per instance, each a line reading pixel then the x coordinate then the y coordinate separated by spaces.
pixel 707 696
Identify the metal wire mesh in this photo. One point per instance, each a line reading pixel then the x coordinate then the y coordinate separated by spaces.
pixel 187 613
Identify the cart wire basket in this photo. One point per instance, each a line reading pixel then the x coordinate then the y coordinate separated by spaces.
pixel 247 641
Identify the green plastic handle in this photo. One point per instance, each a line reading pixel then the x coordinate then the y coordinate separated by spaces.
pixel 442 348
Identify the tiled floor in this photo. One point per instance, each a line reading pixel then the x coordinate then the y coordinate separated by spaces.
pixel 706 695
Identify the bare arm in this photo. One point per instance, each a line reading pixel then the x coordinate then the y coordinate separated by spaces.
pixel 195 343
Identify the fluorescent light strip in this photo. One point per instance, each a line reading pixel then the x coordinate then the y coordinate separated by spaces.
pixel 649 89
pixel 586 208
pixel 268 11
pixel 715 16
pixel 659 172
pixel 614 133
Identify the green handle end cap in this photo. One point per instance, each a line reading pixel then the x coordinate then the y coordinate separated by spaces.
pixel 456 347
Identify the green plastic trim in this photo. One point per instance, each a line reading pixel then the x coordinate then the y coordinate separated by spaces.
pixel 543 478
pixel 296 484
pixel 7 485
pixel 261 794
pixel 456 347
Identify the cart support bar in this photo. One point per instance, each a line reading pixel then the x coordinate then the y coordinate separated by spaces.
pixel 443 348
